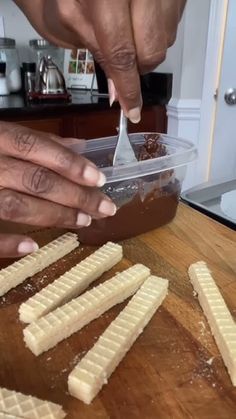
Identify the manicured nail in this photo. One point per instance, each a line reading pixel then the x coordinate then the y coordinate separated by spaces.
pixel 83 219
pixel 112 92
pixel 134 115
pixel 92 175
pixel 26 247
pixel 107 208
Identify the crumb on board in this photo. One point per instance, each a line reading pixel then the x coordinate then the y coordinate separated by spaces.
pixel 210 360
pixel 203 326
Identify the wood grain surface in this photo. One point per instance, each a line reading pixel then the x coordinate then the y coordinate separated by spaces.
pixel 174 370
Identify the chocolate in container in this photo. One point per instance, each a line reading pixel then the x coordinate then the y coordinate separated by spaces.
pixel 146 192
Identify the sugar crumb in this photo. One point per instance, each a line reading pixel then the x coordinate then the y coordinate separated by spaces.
pixel 210 360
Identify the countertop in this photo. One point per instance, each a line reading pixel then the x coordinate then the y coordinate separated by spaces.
pixel 82 100
pixel 174 369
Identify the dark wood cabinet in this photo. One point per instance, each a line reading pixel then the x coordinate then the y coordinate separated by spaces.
pixel 104 123
pixel 52 125
pixel 94 123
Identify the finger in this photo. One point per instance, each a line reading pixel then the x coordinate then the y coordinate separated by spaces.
pixel 149 33
pixel 20 208
pixel 113 30
pixel 39 21
pixel 41 182
pixel 36 147
pixel 76 26
pixel 66 24
pixel 73 24
pixel 12 246
pixel 69 142
pixel 172 13
pixel 112 92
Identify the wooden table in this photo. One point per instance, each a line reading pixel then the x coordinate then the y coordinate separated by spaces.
pixel 174 370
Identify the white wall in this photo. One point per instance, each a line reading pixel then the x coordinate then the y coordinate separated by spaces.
pixel 184 109
pixel 186 59
pixel 17 27
pixel 173 62
pixel 194 48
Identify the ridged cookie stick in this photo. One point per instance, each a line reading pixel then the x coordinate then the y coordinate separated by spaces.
pixel 221 322
pixel 14 403
pixel 72 283
pixel 31 264
pixel 47 331
pixel 6 416
pixel 93 371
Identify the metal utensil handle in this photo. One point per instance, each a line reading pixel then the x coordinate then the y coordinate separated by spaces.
pixel 123 122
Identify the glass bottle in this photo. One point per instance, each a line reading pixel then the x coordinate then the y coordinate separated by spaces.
pixel 29 76
pixel 3 80
pixel 9 55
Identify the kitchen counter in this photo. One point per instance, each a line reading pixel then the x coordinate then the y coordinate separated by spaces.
pixel 89 116
pixel 15 105
pixel 81 100
pixel 174 370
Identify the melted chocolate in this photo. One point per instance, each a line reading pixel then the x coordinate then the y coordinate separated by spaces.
pixel 152 148
pixel 144 203
pixel 136 217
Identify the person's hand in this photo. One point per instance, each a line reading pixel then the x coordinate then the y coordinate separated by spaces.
pixel 43 183
pixel 126 37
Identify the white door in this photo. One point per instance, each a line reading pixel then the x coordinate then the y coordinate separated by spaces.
pixel 223 151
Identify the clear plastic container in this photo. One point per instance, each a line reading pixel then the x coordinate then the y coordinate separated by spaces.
pixel 9 55
pixel 146 193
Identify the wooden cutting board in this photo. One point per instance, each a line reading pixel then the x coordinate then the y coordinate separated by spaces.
pixel 174 370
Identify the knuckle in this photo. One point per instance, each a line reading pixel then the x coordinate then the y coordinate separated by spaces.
pixel 11 205
pixel 24 142
pixel 38 180
pixel 84 199
pixel 122 59
pixel 150 62
pixel 63 15
pixel 171 38
pixel 99 57
pixel 130 95
pixel 64 160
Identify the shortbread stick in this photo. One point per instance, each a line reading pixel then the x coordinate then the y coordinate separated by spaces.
pixel 72 283
pixel 31 264
pixel 217 313
pixel 6 416
pixel 47 331
pixel 14 403
pixel 93 371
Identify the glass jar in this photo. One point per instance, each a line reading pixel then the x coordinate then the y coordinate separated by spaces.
pixel 42 48
pixel 9 55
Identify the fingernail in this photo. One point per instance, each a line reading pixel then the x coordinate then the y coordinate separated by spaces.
pixel 134 115
pixel 92 175
pixel 112 92
pixel 107 208
pixel 26 247
pixel 102 180
pixel 83 219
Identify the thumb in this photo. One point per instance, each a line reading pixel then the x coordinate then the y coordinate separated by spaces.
pixel 14 245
